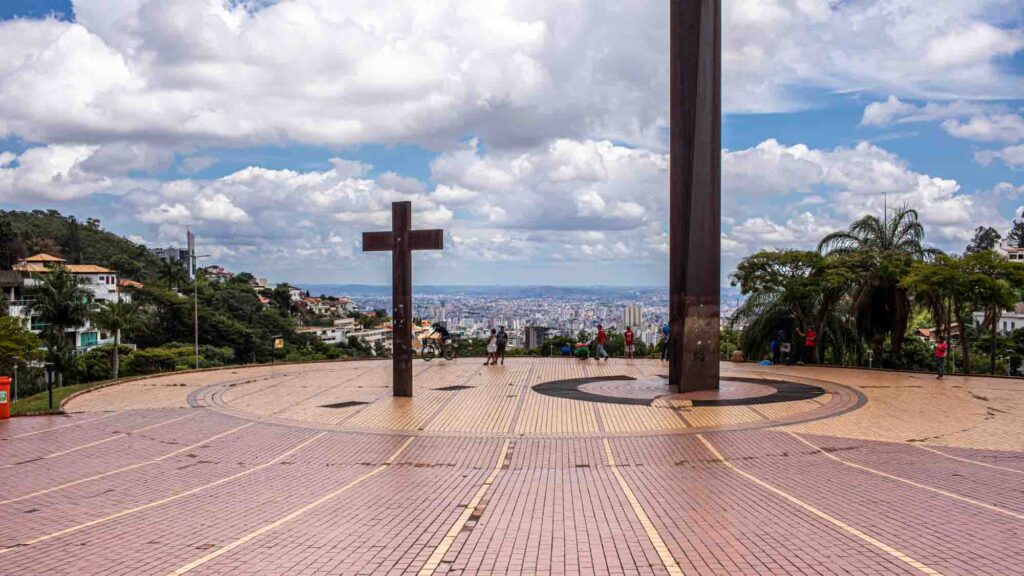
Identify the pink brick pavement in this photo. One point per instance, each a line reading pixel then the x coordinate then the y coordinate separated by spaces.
pixel 556 505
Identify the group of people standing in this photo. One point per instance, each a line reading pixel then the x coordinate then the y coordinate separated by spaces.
pixel 599 345
pixel 497 342
pixel 601 341
pixel 808 354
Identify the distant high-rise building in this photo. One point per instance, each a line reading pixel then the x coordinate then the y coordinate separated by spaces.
pixel 535 336
pixel 633 315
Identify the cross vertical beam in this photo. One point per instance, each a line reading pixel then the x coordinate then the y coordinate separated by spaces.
pixel 695 193
pixel 401 298
pixel 401 241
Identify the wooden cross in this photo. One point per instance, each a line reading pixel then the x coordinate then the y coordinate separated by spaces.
pixel 401 241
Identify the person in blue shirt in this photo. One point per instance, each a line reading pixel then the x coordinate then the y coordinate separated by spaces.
pixel 776 347
pixel 666 332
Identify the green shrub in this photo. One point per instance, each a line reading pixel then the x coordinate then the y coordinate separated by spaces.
pixel 916 354
pixel 97 363
pixel 175 357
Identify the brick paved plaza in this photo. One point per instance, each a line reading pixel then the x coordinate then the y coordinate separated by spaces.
pixel 315 469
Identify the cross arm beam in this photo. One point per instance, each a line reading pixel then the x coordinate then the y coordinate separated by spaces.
pixel 378 241
pixel 426 239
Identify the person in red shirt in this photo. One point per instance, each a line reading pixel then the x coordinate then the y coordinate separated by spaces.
pixel 810 344
pixel 941 349
pixel 628 337
pixel 601 340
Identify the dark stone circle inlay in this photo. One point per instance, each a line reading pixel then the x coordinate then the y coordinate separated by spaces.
pixel 784 392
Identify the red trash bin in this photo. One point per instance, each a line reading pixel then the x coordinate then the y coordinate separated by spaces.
pixel 5 398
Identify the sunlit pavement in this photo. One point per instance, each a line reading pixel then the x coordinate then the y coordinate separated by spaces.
pixel 315 469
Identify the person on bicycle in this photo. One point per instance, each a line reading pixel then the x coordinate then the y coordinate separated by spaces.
pixel 441 331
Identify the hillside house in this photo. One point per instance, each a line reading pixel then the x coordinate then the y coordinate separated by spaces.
pixel 101 282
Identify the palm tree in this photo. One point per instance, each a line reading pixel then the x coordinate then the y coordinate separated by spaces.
pixel 60 303
pixel 173 274
pixel 116 317
pixel 885 249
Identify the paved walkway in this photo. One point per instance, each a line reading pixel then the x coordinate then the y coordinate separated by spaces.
pixel 272 470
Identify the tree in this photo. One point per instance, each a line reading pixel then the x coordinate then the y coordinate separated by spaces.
pixel 60 303
pixel 10 247
pixel 17 344
pixel 72 242
pixel 167 316
pixel 116 317
pixel 1016 235
pixel 941 287
pixel 885 250
pixel 172 274
pixel 790 289
pixel 282 298
pixel 955 287
pixel 995 283
pixel 45 246
pixel 985 239
pixel 126 267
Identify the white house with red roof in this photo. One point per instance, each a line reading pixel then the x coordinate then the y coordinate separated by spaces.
pixel 1012 253
pixel 101 282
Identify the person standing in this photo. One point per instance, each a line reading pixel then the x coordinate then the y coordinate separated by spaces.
pixel 776 348
pixel 666 332
pixel 810 344
pixel 628 337
pixel 941 350
pixel 492 347
pixel 601 341
pixel 502 342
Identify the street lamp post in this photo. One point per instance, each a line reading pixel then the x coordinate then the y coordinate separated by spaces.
pixel 49 383
pixel 14 391
pixel 195 302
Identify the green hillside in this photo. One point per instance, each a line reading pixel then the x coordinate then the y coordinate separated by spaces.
pixel 27 233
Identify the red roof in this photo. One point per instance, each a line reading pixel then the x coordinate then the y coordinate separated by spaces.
pixel 44 258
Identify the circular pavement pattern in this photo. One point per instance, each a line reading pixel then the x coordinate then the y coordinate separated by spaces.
pixel 520 399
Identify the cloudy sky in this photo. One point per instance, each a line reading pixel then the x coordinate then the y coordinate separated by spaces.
pixel 533 131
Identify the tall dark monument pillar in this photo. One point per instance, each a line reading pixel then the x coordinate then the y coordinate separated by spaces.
pixel 695 192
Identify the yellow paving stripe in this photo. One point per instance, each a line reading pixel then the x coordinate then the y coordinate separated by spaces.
pixel 257 533
pixel 968 460
pixel 910 482
pixel 161 501
pixel 824 516
pixel 26 434
pixel 652 532
pixel 98 442
pixel 126 468
pixel 446 543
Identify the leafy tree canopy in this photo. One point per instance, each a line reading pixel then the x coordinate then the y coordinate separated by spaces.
pixel 985 238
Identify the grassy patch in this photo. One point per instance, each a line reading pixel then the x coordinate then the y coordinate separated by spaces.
pixel 38 402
